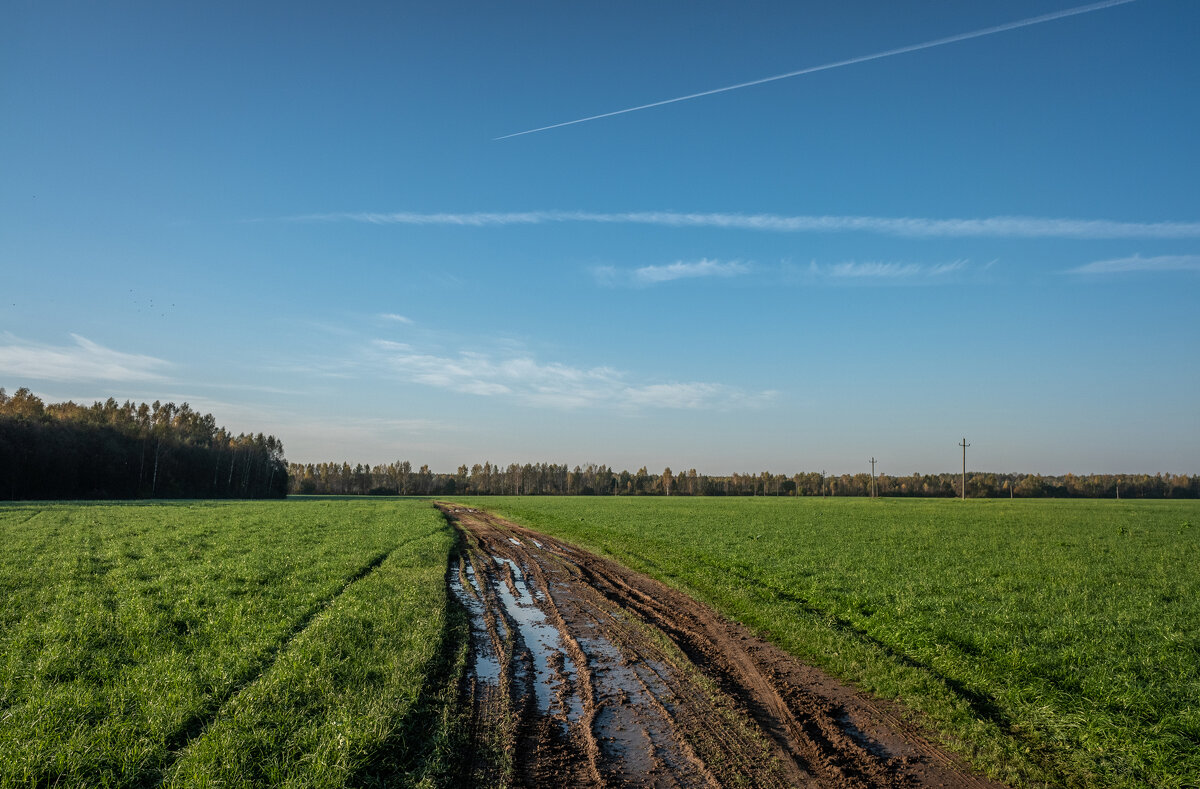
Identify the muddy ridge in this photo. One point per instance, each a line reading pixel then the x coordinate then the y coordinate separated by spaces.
pixel 584 673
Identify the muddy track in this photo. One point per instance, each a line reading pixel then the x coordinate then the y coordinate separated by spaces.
pixel 585 673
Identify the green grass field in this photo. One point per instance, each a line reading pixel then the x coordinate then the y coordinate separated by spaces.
pixel 1052 642
pixel 311 643
pixel 283 643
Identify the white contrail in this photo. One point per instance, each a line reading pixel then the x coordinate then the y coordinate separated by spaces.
pixel 1036 20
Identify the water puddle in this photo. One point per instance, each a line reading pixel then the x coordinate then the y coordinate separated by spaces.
pixel 514 540
pixel 525 599
pixel 550 660
pixel 486 664
pixel 474 582
pixel 633 735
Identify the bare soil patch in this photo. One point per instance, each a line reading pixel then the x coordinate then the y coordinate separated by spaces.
pixel 585 673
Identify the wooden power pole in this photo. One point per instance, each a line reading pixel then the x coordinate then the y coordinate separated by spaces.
pixel 873 461
pixel 964 446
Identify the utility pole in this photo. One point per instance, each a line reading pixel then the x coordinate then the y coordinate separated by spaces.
pixel 964 446
pixel 873 462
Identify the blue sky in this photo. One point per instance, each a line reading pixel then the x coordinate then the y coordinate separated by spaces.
pixel 299 217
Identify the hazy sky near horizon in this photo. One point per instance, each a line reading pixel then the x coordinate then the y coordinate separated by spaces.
pixel 302 218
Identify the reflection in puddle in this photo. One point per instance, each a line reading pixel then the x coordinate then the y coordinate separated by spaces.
pixel 486 665
pixel 542 638
pixel 518 580
pixel 632 732
pixel 473 580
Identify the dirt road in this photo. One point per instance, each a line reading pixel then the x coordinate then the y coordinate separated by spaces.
pixel 585 673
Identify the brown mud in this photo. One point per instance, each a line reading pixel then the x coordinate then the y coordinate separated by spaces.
pixel 585 673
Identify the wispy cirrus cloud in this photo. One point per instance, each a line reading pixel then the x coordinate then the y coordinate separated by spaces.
pixel 847 272
pixel 871 270
pixel 395 318
pixel 941 269
pixel 83 361
pixel 654 275
pixel 1139 264
pixel 530 382
pixel 651 275
pixel 908 227
pixel 866 271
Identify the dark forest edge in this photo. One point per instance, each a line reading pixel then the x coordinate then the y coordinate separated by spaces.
pixel 127 451
pixel 548 479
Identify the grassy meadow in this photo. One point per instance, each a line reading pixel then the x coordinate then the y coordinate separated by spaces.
pixel 1050 642
pixel 310 642
pixel 299 643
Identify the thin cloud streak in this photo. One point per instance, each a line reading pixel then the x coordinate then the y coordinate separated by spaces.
pixel 85 361
pixel 947 268
pixel 1037 20
pixel 844 272
pixel 1139 264
pixel 391 316
pixel 646 276
pixel 907 227
pixel 651 275
pixel 538 384
pixel 853 271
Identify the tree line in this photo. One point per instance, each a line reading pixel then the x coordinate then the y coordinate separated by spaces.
pixel 127 451
pixel 537 479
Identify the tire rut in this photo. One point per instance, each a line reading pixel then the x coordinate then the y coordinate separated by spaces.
pixel 195 725
pixel 587 674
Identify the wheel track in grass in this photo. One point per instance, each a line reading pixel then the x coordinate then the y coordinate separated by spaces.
pixel 983 706
pixel 36 513
pixel 432 757
pixel 195 725
pixel 595 675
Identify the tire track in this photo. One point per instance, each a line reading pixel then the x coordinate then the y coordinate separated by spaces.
pixel 196 724
pixel 618 680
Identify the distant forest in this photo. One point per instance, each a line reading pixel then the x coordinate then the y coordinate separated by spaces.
pixel 550 479
pixel 126 451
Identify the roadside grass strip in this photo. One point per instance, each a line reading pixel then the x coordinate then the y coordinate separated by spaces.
pixel 346 685
pixel 230 644
pixel 1052 643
